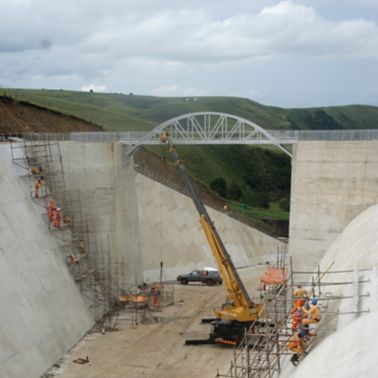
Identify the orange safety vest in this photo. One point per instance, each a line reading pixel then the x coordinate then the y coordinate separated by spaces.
pixel 58 217
pixel 51 213
pixel 37 186
pixel 81 247
pixel 296 344
pixel 296 320
pixel 298 303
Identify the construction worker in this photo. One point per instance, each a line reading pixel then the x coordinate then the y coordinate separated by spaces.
pixel 51 210
pixel 300 292
pixel 311 317
pixel 297 345
pixel 73 259
pixel 296 319
pixel 164 136
pixel 155 291
pixel 36 169
pixel 296 313
pixel 81 247
pixel 58 218
pixel 38 187
pixel 298 304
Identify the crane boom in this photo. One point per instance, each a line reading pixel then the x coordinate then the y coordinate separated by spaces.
pixel 239 307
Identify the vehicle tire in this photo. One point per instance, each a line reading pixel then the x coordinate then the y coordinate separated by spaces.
pixel 209 282
pixel 220 282
pixel 184 281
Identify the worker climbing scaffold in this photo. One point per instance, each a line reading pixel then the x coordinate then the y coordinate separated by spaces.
pixel 38 187
pixel 51 210
pixel 55 214
pixel 305 317
pixel 311 317
pixel 297 344
pixel 81 247
pixel 36 169
pixel 58 218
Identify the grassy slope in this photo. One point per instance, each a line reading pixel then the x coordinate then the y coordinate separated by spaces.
pixel 269 167
pixel 206 163
pixel 131 112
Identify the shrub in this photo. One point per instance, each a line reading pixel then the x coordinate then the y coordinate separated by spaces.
pixel 234 192
pixel 219 186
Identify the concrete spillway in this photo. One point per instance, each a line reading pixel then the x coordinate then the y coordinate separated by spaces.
pixel 141 221
pixel 350 349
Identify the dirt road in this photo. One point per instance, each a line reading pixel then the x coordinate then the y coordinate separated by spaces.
pixel 157 350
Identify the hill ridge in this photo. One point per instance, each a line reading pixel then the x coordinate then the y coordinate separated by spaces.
pixel 122 112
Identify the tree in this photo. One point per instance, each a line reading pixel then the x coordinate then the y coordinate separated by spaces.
pixel 284 203
pixel 234 192
pixel 219 186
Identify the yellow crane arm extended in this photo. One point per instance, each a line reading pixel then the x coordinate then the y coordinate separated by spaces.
pixel 238 305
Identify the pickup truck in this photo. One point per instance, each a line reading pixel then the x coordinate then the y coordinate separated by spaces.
pixel 209 277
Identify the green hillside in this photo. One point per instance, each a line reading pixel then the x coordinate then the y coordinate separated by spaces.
pixel 253 180
pixel 256 176
pixel 119 112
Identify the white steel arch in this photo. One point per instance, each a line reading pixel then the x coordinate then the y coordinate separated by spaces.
pixel 210 128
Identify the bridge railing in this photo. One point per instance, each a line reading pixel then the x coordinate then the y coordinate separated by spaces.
pixel 331 135
pixel 133 137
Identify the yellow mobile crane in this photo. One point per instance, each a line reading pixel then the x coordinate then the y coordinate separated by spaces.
pixel 239 312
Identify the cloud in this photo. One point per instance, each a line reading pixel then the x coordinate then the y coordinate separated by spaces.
pixel 365 3
pixel 15 3
pixel 93 87
pixel 177 91
pixel 254 94
pixel 195 35
pixel 286 28
pixel 176 47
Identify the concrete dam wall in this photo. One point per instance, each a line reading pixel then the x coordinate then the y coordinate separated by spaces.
pixel 132 217
pixel 149 223
pixel 170 232
pixel 42 313
pixel 332 182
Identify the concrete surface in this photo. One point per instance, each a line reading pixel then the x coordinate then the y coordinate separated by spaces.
pixel 104 176
pixel 332 182
pixel 145 222
pixel 349 351
pixel 42 314
pixel 170 232
pixel 157 350
pixel 132 217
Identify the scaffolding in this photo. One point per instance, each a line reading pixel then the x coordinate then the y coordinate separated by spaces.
pixel 265 344
pixel 140 302
pixel 88 259
pixel 32 152
pixel 100 277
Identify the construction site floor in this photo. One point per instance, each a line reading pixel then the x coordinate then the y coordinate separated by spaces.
pixel 157 349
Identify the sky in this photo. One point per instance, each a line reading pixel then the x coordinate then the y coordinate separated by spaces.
pixel 291 53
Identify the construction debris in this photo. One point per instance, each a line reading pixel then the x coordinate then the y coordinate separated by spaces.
pixel 81 361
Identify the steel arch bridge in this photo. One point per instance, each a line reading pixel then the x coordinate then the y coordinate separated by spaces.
pixel 210 128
